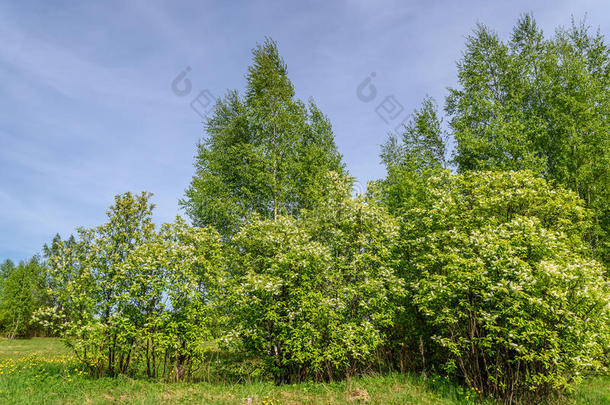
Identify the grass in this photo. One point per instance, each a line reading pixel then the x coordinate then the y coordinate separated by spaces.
pixel 19 348
pixel 42 371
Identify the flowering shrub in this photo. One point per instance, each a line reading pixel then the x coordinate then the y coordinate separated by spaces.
pixel 484 275
pixel 502 278
pixel 131 298
pixel 312 296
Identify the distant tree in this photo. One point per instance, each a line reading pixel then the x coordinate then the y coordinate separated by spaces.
pixel 267 153
pixel 56 244
pixel 538 104
pixel 410 157
pixel 5 269
pixel 420 144
pixel 23 291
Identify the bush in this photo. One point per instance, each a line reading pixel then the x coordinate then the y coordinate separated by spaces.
pixel 133 299
pixel 499 273
pixel 314 295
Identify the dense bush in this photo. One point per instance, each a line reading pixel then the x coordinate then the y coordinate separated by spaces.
pixel 313 296
pixel 130 297
pixel 484 275
pixel 501 277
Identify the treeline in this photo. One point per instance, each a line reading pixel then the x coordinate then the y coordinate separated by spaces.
pixel 22 291
pixel 496 275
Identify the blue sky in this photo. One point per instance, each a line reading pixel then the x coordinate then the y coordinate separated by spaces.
pixel 87 110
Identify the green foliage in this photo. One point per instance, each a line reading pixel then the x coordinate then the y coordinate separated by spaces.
pixel 499 273
pixel 22 291
pixel 313 296
pixel 486 275
pixel 5 269
pixel 539 104
pixel 421 145
pixel 128 295
pixel 267 153
pixel 410 160
pixel 168 291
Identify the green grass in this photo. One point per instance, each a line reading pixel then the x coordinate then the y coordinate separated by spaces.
pixel 42 371
pixel 19 348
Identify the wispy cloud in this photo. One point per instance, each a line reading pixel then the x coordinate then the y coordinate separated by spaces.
pixel 86 109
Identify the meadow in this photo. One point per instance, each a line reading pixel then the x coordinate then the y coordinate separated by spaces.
pixel 482 277
pixel 43 371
